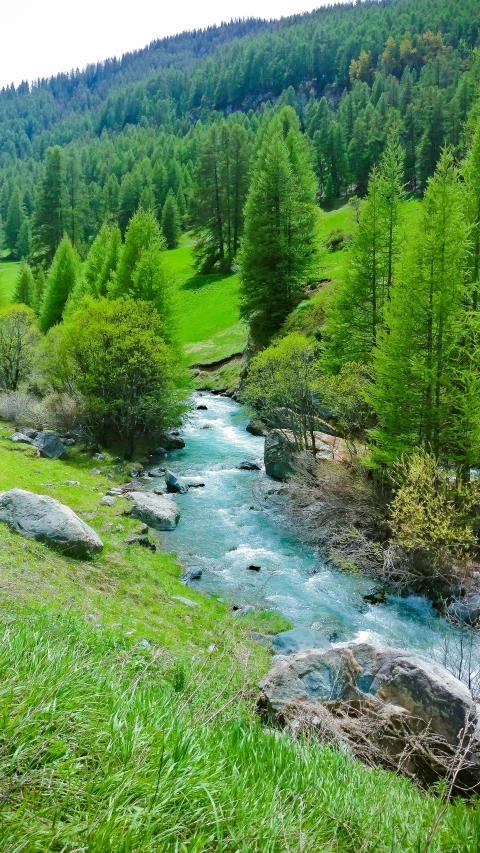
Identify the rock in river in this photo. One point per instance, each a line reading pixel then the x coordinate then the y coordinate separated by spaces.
pixel 175 484
pixel 298 639
pixel 157 511
pixel 47 520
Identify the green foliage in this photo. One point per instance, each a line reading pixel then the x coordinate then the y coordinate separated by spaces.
pixel 423 372
pixel 112 353
pixel 221 183
pixel 280 218
pixel 345 395
pixel 15 220
pixel 22 246
pixel 25 288
pixel 49 219
pixel 61 279
pixel 18 336
pixel 358 311
pixel 428 511
pixel 281 384
pixel 143 233
pixel 171 221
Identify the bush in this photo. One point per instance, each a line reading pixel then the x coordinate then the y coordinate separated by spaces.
pixel 110 352
pixel 23 410
pixel 18 336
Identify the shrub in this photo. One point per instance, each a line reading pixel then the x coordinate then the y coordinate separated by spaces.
pixel 110 352
pixel 18 336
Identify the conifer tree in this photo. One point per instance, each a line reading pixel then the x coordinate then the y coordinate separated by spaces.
pixel 422 379
pixel 60 282
pixel 143 233
pixel 49 216
pixel 357 313
pixel 171 221
pixel 471 174
pixel 15 219
pixel 25 286
pixel 99 268
pixel 152 283
pixel 280 217
pixel 22 248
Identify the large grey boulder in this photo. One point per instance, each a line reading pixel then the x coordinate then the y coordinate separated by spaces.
pixel 157 511
pixel 278 455
pixel 424 689
pixel 298 639
pixel 47 520
pixel 49 445
pixel 175 484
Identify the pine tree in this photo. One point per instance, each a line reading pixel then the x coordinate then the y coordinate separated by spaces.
pixel 15 219
pixel 420 369
pixel 99 268
pixel 129 201
pixel 171 221
pixel 152 283
pixel 25 286
pixel 74 201
pixel 61 279
pixel 280 217
pixel 49 216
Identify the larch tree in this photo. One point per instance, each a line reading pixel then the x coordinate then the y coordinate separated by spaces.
pixel 25 286
pixel 280 217
pixel 61 280
pixel 422 376
pixel 15 220
pixel 171 224
pixel 358 310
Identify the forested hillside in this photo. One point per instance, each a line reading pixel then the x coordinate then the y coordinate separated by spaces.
pixel 135 128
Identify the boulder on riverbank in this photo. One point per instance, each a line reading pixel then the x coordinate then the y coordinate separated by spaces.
pixel 157 511
pixel 49 446
pixel 171 441
pixel 256 427
pixel 386 705
pixel 279 455
pixel 47 520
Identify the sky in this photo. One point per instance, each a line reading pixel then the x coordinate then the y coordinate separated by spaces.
pixel 39 38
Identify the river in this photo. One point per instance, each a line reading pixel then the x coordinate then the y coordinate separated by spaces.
pixel 228 525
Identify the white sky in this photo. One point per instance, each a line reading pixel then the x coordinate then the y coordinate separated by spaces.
pixel 39 38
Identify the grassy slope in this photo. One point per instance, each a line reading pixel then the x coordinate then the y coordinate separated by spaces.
pixel 8 278
pixel 208 310
pixel 110 743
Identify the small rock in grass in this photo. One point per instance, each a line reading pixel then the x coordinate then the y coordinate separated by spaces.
pixel 186 601
pixel 69 442
pixel 98 456
pixel 96 471
pixel 108 500
pixel 72 482
pixel 115 491
pixel 143 541
pixel 20 438
pixel 243 611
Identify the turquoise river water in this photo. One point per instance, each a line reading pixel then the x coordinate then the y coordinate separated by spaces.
pixel 228 525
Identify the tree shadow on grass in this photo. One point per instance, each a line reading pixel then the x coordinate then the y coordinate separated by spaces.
pixel 196 282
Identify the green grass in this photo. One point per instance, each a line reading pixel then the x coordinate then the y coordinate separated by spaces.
pixel 109 746
pixel 208 313
pixel 127 587
pixel 8 279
